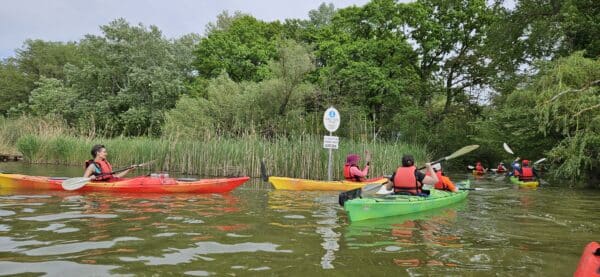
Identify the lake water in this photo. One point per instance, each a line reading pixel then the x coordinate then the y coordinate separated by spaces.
pixel 256 230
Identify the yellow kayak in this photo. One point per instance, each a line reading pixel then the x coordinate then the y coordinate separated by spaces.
pixel 306 184
pixel 523 184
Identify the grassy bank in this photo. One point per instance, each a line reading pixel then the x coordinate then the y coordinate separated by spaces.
pixel 301 157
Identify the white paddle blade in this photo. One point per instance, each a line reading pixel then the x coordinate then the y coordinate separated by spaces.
pixel 75 183
pixel 507 149
pixel 470 167
pixel 539 161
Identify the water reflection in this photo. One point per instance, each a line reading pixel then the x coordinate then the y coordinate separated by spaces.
pixel 416 238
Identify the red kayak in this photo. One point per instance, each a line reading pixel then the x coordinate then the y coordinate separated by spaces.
pixel 589 264
pixel 136 184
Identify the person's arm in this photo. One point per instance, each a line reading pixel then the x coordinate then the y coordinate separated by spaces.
pixel 354 171
pixel 535 173
pixel 390 183
pixel 121 174
pixel 89 171
pixel 432 178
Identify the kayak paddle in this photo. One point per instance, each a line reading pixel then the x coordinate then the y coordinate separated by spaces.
pixel 79 182
pixel 356 193
pixel 507 148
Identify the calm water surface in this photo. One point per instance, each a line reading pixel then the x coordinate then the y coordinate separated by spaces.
pixel 256 230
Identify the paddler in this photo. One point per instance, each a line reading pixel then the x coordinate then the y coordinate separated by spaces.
pixel 98 168
pixel 444 182
pixel 408 180
pixel 351 170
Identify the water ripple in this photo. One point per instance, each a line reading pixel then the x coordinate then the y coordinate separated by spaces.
pixel 204 248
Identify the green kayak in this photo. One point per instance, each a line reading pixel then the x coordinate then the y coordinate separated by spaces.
pixel 393 205
pixel 530 184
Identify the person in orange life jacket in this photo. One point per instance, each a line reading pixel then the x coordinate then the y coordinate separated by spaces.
pixel 479 167
pixel 526 173
pixel 351 170
pixel 407 179
pixel 444 182
pixel 99 169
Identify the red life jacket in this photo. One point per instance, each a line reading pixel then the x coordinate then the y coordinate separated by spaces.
pixel 102 170
pixel 527 174
pixel 406 181
pixel 348 174
pixel 500 168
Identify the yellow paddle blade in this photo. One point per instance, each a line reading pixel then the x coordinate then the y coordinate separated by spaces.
pixel 462 151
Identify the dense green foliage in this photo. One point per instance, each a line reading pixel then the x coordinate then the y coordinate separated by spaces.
pixel 439 73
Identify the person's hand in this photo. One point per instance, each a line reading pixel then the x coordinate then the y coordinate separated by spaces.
pixel 428 166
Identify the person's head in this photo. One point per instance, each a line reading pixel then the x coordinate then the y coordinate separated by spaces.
pixel 501 163
pixel 478 163
pixel 408 160
pixel 352 159
pixel 99 151
pixel 525 162
pixel 436 167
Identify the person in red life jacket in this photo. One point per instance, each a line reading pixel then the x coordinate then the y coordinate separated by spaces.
pixel 479 168
pixel 526 173
pixel 408 180
pixel 444 182
pixel 99 169
pixel 351 170
pixel 501 168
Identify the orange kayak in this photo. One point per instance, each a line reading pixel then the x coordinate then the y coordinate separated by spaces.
pixel 589 264
pixel 135 184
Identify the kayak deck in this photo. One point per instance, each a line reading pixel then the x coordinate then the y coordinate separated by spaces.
pixel 136 184
pixel 529 184
pixel 393 205
pixel 286 183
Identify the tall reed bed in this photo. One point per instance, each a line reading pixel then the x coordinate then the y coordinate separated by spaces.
pixel 48 140
pixel 301 157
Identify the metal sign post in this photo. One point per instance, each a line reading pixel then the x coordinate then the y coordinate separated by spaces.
pixel 331 120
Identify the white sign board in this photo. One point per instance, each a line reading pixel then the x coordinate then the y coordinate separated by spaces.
pixel 331 142
pixel 331 119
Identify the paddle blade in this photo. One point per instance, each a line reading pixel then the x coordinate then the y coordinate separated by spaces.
pixel 470 167
pixel 539 161
pixel 75 183
pixel 349 195
pixel 507 149
pixel 263 171
pixel 462 151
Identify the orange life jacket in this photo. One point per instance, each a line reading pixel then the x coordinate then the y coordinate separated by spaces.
pixel 527 174
pixel 348 174
pixel 102 170
pixel 406 181
pixel 443 183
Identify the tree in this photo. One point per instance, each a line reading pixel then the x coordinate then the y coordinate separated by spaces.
pixel 242 50
pixel 14 86
pixel 366 61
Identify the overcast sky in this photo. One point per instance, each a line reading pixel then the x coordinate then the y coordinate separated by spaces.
pixel 70 20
